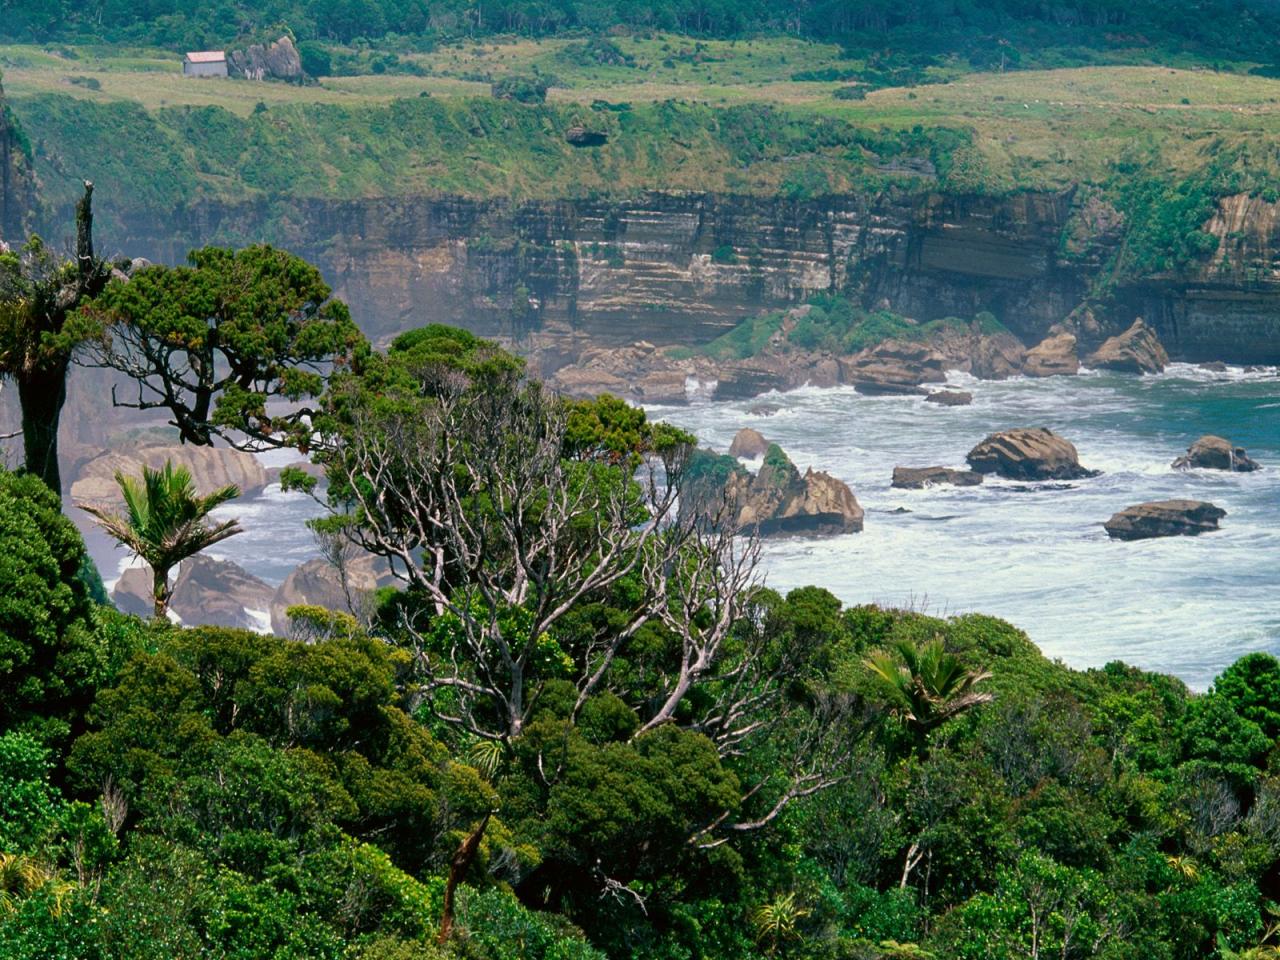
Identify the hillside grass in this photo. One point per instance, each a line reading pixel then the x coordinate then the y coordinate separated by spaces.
pixel 680 114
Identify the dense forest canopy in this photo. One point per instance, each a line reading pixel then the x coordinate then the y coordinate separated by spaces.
pixel 1232 28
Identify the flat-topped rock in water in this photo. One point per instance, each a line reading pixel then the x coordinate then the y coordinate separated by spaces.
pixel 1164 518
pixel 1028 453
pixel 1216 453
pixel 917 478
pixel 1052 357
pixel 950 398
pixel 1137 350
pixel 748 444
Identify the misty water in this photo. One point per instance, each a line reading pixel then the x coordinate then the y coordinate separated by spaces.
pixel 1035 554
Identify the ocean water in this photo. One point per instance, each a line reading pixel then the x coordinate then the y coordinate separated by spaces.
pixel 1035 554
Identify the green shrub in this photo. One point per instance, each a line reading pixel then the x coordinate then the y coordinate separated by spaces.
pixel 521 89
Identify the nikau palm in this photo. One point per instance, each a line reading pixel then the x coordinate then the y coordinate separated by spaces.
pixel 924 686
pixel 166 521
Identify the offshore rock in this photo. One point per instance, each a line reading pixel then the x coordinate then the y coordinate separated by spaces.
pixel 1216 453
pixel 777 501
pixel 1164 518
pixel 1137 350
pixel 132 592
pixel 748 444
pixel 1053 356
pixel 917 478
pixel 950 398
pixel 987 356
pixel 1029 453
pixel 893 367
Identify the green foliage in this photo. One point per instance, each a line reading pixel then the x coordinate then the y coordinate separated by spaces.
pixel 51 653
pixel 498 927
pixel 521 89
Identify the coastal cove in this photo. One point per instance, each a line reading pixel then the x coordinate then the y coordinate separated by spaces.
pixel 1036 554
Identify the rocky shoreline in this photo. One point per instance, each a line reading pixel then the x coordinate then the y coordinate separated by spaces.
pixel 646 374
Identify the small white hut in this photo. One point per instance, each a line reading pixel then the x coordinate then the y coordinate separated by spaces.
pixel 205 63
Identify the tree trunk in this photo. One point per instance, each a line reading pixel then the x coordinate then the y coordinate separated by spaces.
pixel 458 868
pixel 42 394
pixel 160 591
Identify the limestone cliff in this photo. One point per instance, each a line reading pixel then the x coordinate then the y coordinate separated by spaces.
pixel 683 268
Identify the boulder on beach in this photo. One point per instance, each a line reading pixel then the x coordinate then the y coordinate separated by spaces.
pixel 1028 453
pixel 1216 453
pixel 1164 518
pixel 917 478
pixel 894 366
pixel 219 593
pixel 1053 356
pixel 748 444
pixel 1137 350
pixel 950 398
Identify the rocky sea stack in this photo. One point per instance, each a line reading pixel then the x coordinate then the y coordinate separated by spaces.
pixel 1164 518
pixel 777 501
pixel 1028 453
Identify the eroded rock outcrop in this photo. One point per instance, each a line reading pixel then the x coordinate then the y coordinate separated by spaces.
pixel 1216 453
pixel 132 592
pixel 1028 453
pixel 319 583
pixel 1053 356
pixel 1164 518
pixel 211 468
pixel 1137 350
pixel 917 478
pixel 894 366
pixel 986 354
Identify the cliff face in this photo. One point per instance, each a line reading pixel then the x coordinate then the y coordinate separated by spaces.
pixel 683 268
pixel 17 185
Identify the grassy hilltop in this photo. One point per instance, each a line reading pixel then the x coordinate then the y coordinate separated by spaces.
pixel 680 114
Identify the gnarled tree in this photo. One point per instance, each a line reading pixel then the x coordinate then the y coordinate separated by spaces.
pixel 217 342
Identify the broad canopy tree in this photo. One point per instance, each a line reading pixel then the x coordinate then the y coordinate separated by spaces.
pixel 216 342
